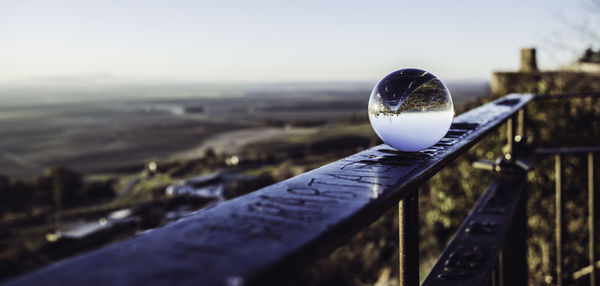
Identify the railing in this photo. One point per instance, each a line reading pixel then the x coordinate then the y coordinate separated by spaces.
pixel 490 246
pixel 559 218
pixel 268 235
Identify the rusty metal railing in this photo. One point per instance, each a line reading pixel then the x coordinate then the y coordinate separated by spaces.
pixel 266 236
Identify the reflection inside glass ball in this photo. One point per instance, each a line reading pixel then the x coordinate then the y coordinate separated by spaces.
pixel 410 109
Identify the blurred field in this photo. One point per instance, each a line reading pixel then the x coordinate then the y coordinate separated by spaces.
pixel 83 132
pixel 104 148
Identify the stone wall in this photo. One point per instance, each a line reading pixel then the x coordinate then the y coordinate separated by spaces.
pixel 544 82
pixel 530 79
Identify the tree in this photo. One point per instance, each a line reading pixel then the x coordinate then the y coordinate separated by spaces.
pixel 590 56
pixel 5 192
pixel 65 185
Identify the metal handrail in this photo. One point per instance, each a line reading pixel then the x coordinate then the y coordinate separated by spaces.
pixel 262 237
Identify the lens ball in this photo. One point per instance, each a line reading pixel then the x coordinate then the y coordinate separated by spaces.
pixel 410 109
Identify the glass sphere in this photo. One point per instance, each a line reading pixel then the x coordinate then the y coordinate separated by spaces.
pixel 410 109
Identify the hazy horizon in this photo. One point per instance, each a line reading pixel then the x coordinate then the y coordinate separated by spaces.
pixel 266 41
pixel 52 93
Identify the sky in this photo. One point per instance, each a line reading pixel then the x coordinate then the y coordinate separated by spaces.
pixel 277 41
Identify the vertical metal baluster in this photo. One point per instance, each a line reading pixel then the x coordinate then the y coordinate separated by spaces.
pixel 521 124
pixel 408 232
pixel 510 137
pixel 591 219
pixel 501 267
pixel 493 281
pixel 559 218
pixel 518 264
pixel 514 253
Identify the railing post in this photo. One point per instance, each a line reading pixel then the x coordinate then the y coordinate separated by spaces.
pixel 510 137
pixel 521 124
pixel 501 272
pixel 559 218
pixel 408 233
pixel 517 271
pixel 513 257
pixel 591 219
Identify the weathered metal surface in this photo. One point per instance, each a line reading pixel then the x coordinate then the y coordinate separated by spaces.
pixel 471 256
pixel 261 237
